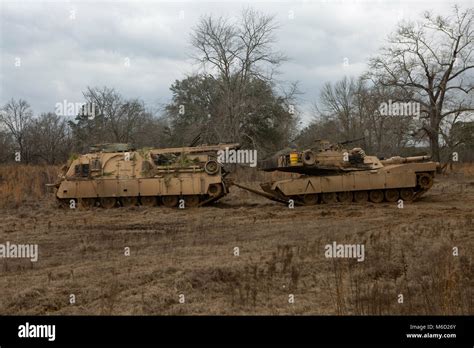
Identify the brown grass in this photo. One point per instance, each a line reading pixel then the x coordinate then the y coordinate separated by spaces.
pixel 173 252
pixel 21 183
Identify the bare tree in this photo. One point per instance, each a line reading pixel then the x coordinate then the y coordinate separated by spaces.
pixel 431 60
pixel 16 116
pixel 49 138
pixel 349 109
pixel 107 103
pixel 7 146
pixel 234 54
pixel 338 101
pixel 129 119
pixel 116 119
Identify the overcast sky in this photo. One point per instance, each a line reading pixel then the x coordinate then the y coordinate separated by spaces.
pixel 52 50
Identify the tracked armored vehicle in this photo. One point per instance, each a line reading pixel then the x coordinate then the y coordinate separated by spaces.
pixel 330 173
pixel 113 175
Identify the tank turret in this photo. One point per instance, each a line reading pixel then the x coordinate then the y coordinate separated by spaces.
pixel 326 159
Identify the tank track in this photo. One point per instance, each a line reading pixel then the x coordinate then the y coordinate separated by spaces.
pixel 424 183
pixel 190 201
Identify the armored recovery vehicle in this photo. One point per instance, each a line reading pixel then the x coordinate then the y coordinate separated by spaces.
pixel 330 173
pixel 114 175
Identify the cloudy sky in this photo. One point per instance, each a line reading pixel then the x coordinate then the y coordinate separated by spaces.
pixel 51 50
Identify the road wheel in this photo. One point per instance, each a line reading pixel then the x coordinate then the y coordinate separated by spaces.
pixel 170 201
pixel 87 203
pixel 215 190
pixel 406 194
pixel 329 197
pixel 310 199
pixel 129 201
pixel 148 201
pixel 425 181
pixel 191 201
pixel 360 196
pixel 391 195
pixel 376 196
pixel 344 197
pixel 108 202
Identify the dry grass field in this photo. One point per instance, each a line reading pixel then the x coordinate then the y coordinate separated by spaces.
pixel 190 252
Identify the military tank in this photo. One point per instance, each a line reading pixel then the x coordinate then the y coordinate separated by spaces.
pixel 113 175
pixel 329 173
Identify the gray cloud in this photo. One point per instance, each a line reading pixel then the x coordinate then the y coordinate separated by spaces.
pixel 66 46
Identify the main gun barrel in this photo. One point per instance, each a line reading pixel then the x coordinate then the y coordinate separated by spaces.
pixel 400 160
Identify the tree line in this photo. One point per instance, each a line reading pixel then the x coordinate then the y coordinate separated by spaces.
pixel 427 66
pixel 417 90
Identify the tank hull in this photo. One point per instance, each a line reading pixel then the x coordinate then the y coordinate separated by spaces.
pixel 184 177
pixel 193 184
pixel 396 180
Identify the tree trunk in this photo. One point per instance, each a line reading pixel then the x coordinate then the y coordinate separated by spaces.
pixel 434 146
pixel 434 133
